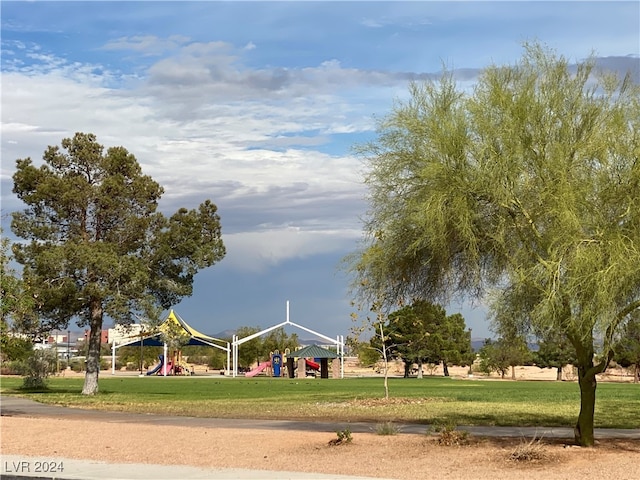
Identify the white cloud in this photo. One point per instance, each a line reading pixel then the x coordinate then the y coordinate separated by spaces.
pixel 257 141
pixel 259 250
pixel 254 157
pixel 147 44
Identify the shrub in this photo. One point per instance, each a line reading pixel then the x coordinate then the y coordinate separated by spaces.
pixel 105 364
pixel 531 451
pixel 387 428
pixel 77 364
pixel 216 362
pixel 344 437
pixel 449 435
pixel 13 367
pixel 37 368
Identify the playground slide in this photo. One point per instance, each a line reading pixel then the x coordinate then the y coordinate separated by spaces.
pixel 167 369
pixel 157 367
pixel 258 369
pixel 312 365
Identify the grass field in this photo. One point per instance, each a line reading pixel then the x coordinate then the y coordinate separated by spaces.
pixel 432 400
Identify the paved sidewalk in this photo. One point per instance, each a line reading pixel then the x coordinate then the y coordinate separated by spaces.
pixel 21 467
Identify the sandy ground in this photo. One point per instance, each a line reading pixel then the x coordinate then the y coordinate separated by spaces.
pixel 402 456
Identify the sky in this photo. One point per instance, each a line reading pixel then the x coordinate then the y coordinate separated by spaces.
pixel 258 106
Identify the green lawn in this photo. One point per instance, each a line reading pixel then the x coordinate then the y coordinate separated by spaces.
pixel 429 400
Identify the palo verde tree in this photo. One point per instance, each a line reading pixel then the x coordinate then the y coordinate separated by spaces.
pixel 17 309
pixel 17 312
pixel 530 185
pixel 97 243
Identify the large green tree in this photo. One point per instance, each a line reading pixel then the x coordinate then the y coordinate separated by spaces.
pixel 98 244
pixel 554 351
pixel 528 184
pixel 627 348
pixel 422 332
pixel 504 353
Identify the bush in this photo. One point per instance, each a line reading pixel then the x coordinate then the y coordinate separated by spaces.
pixel 216 362
pixel 37 368
pixel 14 367
pixel 449 435
pixel 344 437
pixel 77 364
pixel 532 451
pixel 387 428
pixel 198 359
pixel 105 364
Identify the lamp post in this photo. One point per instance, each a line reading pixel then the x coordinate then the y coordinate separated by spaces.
pixel 141 346
pixel 55 339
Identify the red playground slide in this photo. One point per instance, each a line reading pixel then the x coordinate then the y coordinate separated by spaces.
pixel 313 365
pixel 258 369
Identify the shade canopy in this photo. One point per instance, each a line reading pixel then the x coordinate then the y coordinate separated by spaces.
pixel 313 351
pixel 176 325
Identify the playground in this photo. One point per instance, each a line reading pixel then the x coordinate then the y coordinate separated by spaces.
pixel 174 333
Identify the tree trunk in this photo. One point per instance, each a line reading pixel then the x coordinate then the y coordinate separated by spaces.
pixel 636 375
pixel 445 368
pixel 583 431
pixel 407 369
pixel 587 371
pixel 93 352
pixel 386 364
pixel 420 368
pixel 513 372
pixel 559 374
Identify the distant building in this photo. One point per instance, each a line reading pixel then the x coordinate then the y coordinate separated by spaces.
pixel 121 332
pixel 58 338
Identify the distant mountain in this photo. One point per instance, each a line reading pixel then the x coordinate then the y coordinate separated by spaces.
pixel 223 334
pixel 477 343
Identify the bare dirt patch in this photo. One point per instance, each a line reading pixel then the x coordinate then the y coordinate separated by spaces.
pixel 403 456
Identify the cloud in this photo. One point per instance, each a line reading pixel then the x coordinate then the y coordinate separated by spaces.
pixel 257 251
pixel 254 157
pixel 146 44
pixel 397 21
pixel 205 122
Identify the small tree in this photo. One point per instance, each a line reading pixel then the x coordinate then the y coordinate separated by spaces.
pixel 380 341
